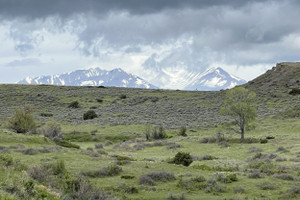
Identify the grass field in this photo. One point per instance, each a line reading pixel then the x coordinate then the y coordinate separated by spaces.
pixel 109 157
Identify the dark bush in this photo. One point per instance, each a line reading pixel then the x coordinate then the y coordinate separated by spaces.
pixel 182 158
pixel 263 141
pixel 46 114
pixel 123 96
pixel 90 114
pixel 270 137
pixel 127 177
pixel 68 144
pixel 74 104
pixel 294 91
pixel 99 100
pixel 159 134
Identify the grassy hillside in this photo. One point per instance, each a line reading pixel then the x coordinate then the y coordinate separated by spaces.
pixel 111 158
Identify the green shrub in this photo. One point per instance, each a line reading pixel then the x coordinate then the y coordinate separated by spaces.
pixel 159 134
pixel 6 160
pixel 90 114
pixel 46 114
pixel 68 144
pixel 123 96
pixel 127 177
pixel 294 91
pixel 22 121
pixel 182 131
pixel 74 104
pixel 263 141
pixel 182 158
pixel 59 167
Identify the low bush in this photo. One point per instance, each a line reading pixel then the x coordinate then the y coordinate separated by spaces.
pixel 66 144
pixel 212 186
pixel 146 180
pixel 282 150
pixel 129 189
pixel 59 167
pixel 267 186
pixel 255 150
pixel 90 114
pixel 172 196
pixel 161 176
pixel 208 140
pixel 51 130
pixel 263 141
pixel 46 114
pixel 98 146
pixel 196 183
pixel 255 174
pixel 111 170
pixel 182 158
pixel 287 177
pixel 238 190
pixel 127 177
pixel 182 131
pixel 74 104
pixel 294 91
pixel 22 121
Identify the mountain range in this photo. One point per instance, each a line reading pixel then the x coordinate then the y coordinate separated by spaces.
pixel 211 80
pixel 92 77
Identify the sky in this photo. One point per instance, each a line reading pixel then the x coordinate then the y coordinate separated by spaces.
pixel 244 37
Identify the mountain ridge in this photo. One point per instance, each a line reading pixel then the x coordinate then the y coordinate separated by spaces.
pixel 92 77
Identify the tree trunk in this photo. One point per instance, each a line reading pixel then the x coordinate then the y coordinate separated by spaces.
pixel 242 133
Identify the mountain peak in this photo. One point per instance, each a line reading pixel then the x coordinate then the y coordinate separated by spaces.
pixel 214 78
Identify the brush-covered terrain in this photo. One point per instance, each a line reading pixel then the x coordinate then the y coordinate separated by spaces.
pixel 151 144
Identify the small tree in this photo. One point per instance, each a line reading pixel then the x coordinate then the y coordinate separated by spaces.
pixel 22 121
pixel 239 105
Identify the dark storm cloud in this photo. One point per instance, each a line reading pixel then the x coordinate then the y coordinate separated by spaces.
pixel 41 8
pixel 234 31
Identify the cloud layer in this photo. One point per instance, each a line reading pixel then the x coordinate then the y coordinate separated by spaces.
pixel 147 35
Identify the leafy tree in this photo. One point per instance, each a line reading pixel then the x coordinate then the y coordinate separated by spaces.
pixel 22 121
pixel 239 105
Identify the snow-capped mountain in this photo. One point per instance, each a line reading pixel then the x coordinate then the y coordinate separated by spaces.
pixel 92 77
pixel 213 79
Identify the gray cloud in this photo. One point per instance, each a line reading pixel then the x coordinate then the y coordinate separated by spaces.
pixel 40 9
pixel 24 62
pixel 235 32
